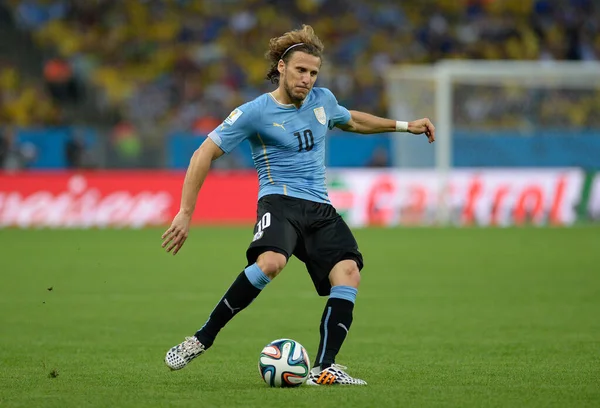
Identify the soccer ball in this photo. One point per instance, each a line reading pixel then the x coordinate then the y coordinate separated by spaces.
pixel 284 363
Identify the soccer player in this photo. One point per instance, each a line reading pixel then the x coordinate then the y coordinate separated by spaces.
pixel 286 129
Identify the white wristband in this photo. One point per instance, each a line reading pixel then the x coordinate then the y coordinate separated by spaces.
pixel 401 126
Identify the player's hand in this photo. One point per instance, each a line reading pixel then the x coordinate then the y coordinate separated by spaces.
pixel 419 126
pixel 175 236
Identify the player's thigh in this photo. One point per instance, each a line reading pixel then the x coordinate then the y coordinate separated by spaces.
pixel 327 246
pixel 273 231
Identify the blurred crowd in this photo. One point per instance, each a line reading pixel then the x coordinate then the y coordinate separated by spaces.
pixel 184 64
pixel 522 109
pixel 25 101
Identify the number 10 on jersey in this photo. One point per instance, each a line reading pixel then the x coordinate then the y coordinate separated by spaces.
pixel 307 142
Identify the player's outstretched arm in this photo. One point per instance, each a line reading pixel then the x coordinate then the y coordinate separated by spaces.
pixel 365 123
pixel 175 236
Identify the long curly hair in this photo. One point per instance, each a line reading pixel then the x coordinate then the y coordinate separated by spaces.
pixel 309 43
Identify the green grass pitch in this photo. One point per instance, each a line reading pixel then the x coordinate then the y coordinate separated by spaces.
pixel 444 317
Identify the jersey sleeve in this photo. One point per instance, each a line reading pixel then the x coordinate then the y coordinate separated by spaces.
pixel 237 127
pixel 338 115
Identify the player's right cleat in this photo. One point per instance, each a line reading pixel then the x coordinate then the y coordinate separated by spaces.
pixel 331 376
pixel 180 355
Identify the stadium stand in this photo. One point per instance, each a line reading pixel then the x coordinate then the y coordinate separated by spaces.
pixel 186 63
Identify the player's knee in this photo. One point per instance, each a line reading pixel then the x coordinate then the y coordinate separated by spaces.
pixel 353 275
pixel 271 263
pixel 345 273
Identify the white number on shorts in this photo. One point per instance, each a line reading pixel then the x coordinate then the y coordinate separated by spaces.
pixel 264 223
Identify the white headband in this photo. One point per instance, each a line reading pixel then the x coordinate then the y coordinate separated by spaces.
pixel 289 48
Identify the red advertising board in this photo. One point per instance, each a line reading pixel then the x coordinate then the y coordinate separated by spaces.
pixel 121 198
pixel 497 197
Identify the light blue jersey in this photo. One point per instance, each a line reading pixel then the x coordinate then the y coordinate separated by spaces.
pixel 288 144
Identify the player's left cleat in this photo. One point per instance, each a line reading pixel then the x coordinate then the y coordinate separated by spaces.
pixel 180 355
pixel 332 375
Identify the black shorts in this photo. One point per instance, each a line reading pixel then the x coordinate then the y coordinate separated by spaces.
pixel 314 232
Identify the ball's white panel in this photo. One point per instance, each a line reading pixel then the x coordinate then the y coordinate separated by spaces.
pixel 297 353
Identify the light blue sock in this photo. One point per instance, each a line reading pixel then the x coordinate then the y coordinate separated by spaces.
pixel 256 276
pixel 343 292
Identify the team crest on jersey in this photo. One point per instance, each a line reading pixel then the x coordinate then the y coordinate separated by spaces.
pixel 320 114
pixel 233 116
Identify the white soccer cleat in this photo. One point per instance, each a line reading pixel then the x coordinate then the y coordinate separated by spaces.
pixel 331 376
pixel 180 355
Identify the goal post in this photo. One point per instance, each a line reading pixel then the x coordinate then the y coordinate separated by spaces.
pixel 482 97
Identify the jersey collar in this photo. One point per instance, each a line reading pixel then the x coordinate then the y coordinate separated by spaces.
pixel 290 105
